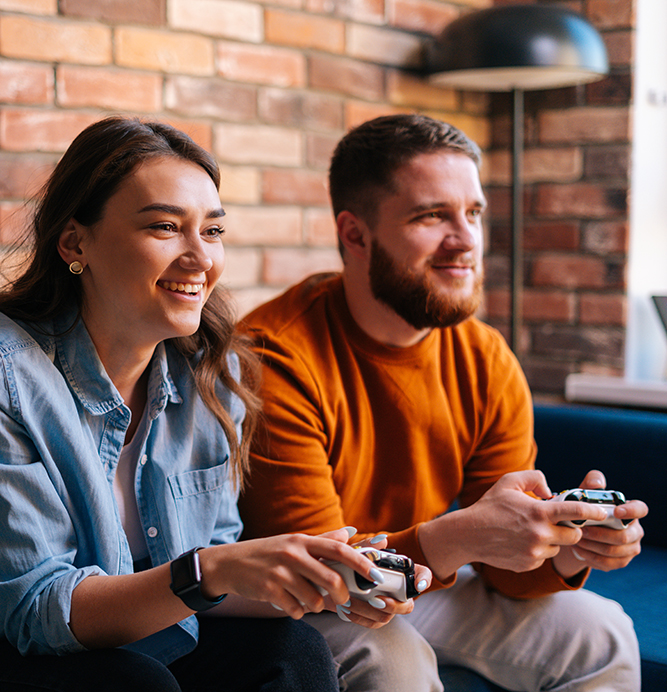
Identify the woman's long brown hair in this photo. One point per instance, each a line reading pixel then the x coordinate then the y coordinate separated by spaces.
pixel 91 170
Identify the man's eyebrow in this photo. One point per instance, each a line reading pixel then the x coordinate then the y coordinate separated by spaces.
pixel 419 208
pixel 180 211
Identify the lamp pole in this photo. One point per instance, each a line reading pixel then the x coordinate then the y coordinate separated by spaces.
pixel 516 250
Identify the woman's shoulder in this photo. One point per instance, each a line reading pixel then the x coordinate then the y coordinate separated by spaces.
pixel 18 336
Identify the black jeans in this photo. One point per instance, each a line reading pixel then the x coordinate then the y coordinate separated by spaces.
pixel 233 655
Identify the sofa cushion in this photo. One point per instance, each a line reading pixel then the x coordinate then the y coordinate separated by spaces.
pixel 641 588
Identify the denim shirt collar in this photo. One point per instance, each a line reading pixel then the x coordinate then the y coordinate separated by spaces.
pixel 85 373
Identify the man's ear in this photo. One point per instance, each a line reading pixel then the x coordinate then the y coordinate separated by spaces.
pixel 353 234
pixel 69 242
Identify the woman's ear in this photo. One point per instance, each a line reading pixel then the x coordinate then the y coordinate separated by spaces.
pixel 69 243
pixel 353 233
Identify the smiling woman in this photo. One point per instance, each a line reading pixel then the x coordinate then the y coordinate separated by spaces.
pixel 126 408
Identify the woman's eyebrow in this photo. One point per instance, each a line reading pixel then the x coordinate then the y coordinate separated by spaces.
pixel 180 211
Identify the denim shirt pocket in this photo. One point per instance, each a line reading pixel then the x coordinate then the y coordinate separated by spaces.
pixel 205 506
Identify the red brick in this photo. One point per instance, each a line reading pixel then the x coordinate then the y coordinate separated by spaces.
pixel 289 186
pixel 26 83
pixel 497 303
pixel 43 7
pixel 22 177
pixel 559 235
pixel 569 271
pixel 55 41
pixel 424 16
pixel 584 125
pixel 602 309
pixel 36 130
pixel 258 145
pixel 301 30
pixel 405 89
pixel 563 164
pixel 280 67
pixel 283 267
pixel 80 87
pixel 243 267
pixel 383 46
pixel 548 306
pixel 264 225
pixel 197 97
pixel 345 76
pixel 369 11
pixel 227 18
pixel 614 90
pixel 620 47
pixel 583 200
pixel 357 112
pixel 240 185
pixel 117 11
pixel 611 14
pixel 605 238
pixel 319 228
pixel 319 148
pixel 164 51
pixel 300 109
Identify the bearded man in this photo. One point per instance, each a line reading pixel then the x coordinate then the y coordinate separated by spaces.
pixel 387 403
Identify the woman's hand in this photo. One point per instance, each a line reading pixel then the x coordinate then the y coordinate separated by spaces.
pixel 284 570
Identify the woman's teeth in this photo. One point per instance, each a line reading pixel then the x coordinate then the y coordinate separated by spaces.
pixel 181 288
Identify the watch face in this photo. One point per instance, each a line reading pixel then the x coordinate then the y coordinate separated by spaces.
pixel 185 571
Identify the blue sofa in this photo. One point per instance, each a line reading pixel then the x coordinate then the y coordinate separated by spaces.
pixel 630 448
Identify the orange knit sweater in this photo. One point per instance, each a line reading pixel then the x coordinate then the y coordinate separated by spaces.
pixel 381 438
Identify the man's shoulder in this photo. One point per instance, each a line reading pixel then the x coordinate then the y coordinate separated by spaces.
pixel 474 331
pixel 299 309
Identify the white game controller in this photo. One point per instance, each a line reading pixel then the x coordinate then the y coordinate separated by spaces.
pixel 398 572
pixel 607 499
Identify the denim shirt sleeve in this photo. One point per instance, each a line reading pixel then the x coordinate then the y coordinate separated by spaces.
pixel 37 572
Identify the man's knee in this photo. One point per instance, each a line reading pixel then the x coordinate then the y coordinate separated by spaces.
pixel 394 657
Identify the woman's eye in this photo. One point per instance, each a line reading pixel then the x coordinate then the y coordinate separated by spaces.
pixel 215 231
pixel 164 226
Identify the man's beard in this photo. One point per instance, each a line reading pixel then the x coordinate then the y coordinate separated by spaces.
pixel 414 296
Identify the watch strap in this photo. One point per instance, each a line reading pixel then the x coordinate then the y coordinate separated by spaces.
pixel 186 581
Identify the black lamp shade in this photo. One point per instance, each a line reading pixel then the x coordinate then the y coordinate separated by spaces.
pixel 517 47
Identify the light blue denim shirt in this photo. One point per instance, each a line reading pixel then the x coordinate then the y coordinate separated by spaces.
pixel 62 428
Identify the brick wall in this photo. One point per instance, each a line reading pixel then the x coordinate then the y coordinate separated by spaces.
pixel 577 180
pixel 271 86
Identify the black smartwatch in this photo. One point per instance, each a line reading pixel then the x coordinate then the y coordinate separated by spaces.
pixel 186 581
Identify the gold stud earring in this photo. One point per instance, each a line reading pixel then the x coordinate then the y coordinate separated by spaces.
pixel 76 267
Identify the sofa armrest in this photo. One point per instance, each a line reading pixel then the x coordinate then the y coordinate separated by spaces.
pixel 628 446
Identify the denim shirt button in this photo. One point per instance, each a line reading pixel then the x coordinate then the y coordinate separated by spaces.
pixel 143 460
pixel 152 532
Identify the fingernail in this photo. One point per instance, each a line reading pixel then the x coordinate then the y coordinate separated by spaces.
pixel 376 575
pixel 350 531
pixel 344 609
pixel 377 603
pixel 421 586
pixel 576 554
pixel 342 615
pixel 276 607
pixel 347 604
pixel 378 539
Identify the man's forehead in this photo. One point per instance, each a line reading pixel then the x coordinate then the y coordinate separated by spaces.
pixel 447 172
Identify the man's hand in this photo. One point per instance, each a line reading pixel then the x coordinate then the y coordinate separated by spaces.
pixel 507 527
pixel 601 547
